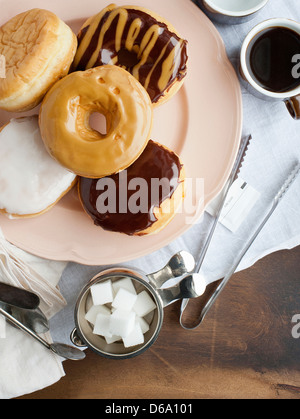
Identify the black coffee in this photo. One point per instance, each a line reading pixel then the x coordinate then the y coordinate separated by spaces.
pixel 270 59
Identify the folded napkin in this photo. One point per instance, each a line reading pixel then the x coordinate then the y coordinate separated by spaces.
pixel 25 365
pixel 20 269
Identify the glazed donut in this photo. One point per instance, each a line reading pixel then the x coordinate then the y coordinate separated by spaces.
pixel 31 182
pixel 68 136
pixel 158 174
pixel 38 48
pixel 138 40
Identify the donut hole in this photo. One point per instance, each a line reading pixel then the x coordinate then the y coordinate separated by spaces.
pixel 128 59
pixel 98 122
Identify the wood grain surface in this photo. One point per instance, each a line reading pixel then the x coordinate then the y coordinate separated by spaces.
pixel 244 349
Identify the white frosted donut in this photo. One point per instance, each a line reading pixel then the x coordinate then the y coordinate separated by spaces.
pixel 31 182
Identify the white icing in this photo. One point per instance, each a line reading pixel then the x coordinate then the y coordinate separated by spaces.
pixel 30 180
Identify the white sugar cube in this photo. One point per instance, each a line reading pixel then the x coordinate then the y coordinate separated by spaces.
pixel 136 337
pixel 113 339
pixel 102 325
pixel 143 324
pixel 125 283
pixel 144 304
pixel 102 293
pixel 122 322
pixel 124 300
pixel 93 312
pixel 2 327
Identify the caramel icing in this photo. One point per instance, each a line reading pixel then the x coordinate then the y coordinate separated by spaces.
pixel 135 40
pixel 156 162
pixel 64 121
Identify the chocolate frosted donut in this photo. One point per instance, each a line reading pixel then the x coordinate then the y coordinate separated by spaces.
pixel 138 40
pixel 141 200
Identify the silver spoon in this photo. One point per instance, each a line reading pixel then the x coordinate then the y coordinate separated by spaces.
pixel 192 286
pixel 34 320
pixel 180 264
pixel 62 350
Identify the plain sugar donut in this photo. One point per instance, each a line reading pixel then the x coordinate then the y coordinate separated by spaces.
pixel 139 40
pixel 39 49
pixel 65 113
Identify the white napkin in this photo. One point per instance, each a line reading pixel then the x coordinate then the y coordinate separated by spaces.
pixel 25 365
pixel 23 270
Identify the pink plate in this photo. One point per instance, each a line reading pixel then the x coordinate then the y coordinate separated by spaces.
pixel 202 123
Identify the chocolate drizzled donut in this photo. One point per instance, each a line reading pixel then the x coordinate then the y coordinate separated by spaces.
pixel 140 42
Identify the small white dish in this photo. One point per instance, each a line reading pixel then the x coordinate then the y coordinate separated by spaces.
pixel 231 11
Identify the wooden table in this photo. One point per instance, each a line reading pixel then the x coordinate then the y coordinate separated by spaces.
pixel 244 349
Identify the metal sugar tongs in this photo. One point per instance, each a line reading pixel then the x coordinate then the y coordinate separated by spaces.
pixel 277 199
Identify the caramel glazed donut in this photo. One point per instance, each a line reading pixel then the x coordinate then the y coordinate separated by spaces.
pixel 68 136
pixel 141 42
pixel 147 211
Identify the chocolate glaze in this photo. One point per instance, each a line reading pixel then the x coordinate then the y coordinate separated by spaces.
pixel 156 162
pixel 129 59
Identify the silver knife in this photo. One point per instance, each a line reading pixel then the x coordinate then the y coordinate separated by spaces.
pixel 234 174
pixel 18 297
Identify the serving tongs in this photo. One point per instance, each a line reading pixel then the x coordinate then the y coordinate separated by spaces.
pixel 277 199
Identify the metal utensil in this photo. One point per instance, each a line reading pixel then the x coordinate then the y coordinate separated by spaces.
pixel 64 351
pixel 180 264
pixel 18 297
pixel 234 174
pixel 190 287
pixel 34 320
pixel 276 201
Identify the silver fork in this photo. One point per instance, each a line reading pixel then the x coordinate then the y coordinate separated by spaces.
pixel 276 201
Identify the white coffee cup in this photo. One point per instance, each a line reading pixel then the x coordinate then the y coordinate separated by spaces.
pixel 232 12
pixel 291 98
